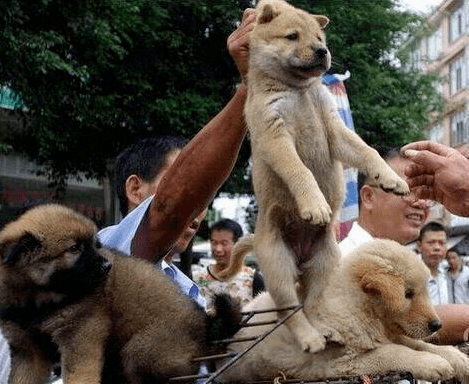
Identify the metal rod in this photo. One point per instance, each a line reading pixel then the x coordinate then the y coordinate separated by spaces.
pixel 213 357
pixel 228 364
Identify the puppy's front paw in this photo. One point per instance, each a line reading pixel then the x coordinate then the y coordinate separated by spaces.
pixel 388 181
pixel 431 367
pixel 458 360
pixel 317 212
pixel 314 343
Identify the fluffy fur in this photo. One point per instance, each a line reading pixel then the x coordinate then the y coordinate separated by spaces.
pixel 106 317
pixel 299 144
pixel 376 309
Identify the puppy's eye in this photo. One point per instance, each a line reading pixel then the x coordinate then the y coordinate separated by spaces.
pixel 320 38
pixel 409 293
pixel 292 36
pixel 74 249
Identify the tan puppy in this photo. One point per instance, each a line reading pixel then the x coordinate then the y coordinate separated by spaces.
pixel 376 307
pixel 107 318
pixel 298 146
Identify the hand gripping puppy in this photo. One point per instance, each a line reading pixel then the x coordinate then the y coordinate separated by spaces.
pixel 299 144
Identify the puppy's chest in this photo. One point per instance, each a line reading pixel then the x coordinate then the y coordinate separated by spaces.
pixel 302 119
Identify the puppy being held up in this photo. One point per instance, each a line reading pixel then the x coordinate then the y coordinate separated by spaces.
pixel 299 144
pixel 376 309
pixel 106 317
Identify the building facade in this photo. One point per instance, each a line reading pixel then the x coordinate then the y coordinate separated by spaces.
pixel 443 49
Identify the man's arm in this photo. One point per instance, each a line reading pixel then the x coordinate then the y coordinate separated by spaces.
pixel 191 183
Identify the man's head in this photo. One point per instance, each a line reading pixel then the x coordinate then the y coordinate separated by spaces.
pixel 223 236
pixel 140 167
pixel 389 216
pixel 454 260
pixel 432 244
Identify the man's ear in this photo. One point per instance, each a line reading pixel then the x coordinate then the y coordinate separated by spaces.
pixel 366 194
pixel 133 190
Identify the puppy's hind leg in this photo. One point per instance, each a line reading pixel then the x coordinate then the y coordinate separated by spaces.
pixel 277 263
pixel 316 274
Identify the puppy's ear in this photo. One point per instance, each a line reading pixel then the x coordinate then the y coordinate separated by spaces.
pixel 12 252
pixel 267 14
pixel 322 20
pixel 386 284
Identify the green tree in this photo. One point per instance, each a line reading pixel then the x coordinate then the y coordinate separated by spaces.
pixel 96 76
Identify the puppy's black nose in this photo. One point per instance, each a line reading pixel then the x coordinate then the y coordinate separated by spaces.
pixel 320 52
pixel 434 325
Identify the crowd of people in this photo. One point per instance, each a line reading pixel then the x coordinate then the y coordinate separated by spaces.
pixel 164 190
pixel 246 284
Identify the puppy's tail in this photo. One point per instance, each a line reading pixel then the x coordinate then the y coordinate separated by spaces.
pixel 226 321
pixel 241 248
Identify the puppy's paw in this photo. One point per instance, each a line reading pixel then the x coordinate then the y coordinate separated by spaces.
pixel 317 212
pixel 314 343
pixel 458 360
pixel 309 338
pixel 388 181
pixel 431 367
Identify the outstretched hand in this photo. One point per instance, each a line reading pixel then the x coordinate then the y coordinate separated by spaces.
pixel 238 42
pixel 439 173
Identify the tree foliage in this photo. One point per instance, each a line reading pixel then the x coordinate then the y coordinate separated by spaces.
pixel 96 76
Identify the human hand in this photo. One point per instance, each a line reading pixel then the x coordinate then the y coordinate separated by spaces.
pixel 238 42
pixel 438 173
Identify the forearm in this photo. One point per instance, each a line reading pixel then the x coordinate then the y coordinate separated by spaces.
pixel 191 183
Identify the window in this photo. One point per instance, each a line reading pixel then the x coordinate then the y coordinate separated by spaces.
pixel 436 134
pixel 457 75
pixel 459 128
pixel 415 58
pixel 434 45
pixel 456 24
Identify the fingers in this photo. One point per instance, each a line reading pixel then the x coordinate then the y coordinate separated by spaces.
pixel 248 13
pixel 436 148
pixel 420 181
pixel 424 192
pixel 238 42
pixel 413 170
pixel 246 26
pixel 429 161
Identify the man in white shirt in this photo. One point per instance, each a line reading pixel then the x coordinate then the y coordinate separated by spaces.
pixel 432 247
pixel 458 278
pixel 385 215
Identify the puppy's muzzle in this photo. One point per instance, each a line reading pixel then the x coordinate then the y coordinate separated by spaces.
pixel 320 53
pixel 434 325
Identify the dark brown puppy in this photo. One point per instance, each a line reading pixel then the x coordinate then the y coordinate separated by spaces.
pixel 62 296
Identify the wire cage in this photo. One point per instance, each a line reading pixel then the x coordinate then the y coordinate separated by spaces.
pixel 232 358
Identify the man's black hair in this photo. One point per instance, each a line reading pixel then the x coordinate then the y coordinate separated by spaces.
pixel 229 225
pixel 145 158
pixel 431 226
